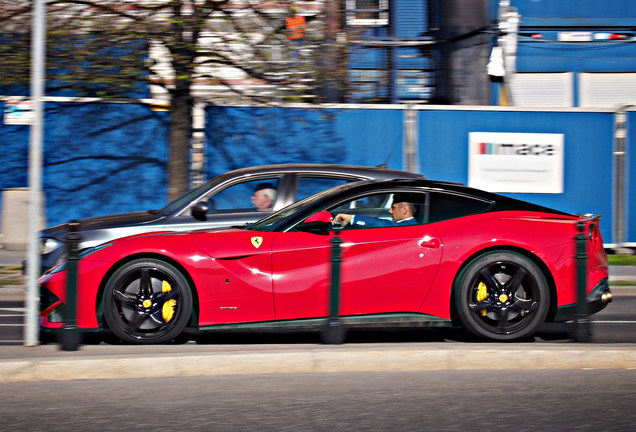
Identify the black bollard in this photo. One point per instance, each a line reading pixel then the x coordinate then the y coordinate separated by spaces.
pixel 582 330
pixel 333 331
pixel 70 337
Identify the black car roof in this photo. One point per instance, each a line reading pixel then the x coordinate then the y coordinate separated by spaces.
pixel 359 170
pixel 501 202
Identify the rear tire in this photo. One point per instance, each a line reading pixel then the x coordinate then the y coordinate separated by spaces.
pixel 502 296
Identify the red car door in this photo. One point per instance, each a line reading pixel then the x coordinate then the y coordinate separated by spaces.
pixel 301 275
pixel 383 270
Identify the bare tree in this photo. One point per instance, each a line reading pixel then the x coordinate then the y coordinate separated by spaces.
pixel 101 48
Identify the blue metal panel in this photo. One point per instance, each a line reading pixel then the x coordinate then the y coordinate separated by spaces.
pixel 369 74
pixel 588 153
pixel 368 58
pixel 596 9
pixel 373 136
pixel 14 141
pixel 415 85
pixel 249 136
pixel 409 18
pixel 243 136
pixel 576 57
pixel 625 63
pixel 103 158
pixel 369 85
pixel 14 158
pixel 410 58
pixel 527 62
pixel 95 153
pixel 97 159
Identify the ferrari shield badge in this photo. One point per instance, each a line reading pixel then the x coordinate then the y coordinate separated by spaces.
pixel 257 242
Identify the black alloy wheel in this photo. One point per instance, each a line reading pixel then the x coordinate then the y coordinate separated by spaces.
pixel 502 296
pixel 147 301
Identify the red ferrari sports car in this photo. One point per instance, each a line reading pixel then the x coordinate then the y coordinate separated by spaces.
pixel 414 252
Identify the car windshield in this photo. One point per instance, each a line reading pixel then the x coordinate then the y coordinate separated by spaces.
pixel 276 220
pixel 186 198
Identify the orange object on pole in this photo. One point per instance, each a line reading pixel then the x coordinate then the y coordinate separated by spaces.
pixel 296 27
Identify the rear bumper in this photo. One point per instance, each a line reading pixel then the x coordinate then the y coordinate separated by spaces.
pixel 595 301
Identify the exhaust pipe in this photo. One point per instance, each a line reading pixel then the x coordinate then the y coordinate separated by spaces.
pixel 606 297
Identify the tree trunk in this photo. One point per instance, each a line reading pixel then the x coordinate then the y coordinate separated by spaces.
pixel 180 128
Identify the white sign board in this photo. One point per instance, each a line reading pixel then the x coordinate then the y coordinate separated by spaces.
pixel 18 113
pixel 515 162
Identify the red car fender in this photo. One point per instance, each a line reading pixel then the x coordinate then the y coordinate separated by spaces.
pixel 551 243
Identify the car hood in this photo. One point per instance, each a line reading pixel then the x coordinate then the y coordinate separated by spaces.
pixel 108 221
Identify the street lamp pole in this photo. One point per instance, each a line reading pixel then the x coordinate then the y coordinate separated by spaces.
pixel 35 171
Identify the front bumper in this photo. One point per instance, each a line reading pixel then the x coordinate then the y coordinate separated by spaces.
pixel 47 261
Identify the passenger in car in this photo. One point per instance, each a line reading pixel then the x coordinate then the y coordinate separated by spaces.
pixel 264 196
pixel 402 212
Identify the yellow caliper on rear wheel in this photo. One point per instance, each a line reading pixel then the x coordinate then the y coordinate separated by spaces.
pixel 482 294
pixel 168 307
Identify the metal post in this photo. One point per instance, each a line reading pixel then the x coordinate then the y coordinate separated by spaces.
pixel 31 327
pixel 582 329
pixel 620 135
pixel 410 140
pixel 69 338
pixel 333 331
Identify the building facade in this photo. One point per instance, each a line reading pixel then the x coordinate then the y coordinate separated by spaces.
pixel 572 54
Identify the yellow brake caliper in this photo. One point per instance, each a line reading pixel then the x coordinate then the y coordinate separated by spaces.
pixel 168 307
pixel 482 294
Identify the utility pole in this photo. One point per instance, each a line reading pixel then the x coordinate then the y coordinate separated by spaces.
pixel 35 172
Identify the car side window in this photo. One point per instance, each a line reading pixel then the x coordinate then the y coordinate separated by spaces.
pixel 444 206
pixel 375 205
pixel 308 186
pixel 244 196
pixel 373 211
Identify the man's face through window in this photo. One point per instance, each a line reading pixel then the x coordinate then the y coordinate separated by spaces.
pixel 400 211
pixel 262 200
pixel 394 211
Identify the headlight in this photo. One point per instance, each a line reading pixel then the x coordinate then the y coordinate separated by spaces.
pixel 49 245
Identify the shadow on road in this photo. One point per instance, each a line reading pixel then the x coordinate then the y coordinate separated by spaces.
pixel 548 333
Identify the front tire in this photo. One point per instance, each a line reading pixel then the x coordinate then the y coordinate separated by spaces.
pixel 147 301
pixel 502 296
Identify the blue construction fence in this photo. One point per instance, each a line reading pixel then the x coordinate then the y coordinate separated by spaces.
pixel 98 158
pixel 372 135
pixel 103 158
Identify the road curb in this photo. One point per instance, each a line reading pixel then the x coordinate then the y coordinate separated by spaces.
pixel 315 361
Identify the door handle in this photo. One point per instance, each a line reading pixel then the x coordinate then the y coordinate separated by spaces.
pixel 429 242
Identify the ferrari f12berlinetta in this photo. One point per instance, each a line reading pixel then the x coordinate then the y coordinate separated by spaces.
pixel 497 266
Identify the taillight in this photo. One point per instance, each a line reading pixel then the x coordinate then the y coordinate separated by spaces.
pixel 593 232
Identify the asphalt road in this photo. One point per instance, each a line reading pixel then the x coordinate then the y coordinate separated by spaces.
pixel 430 350
pixel 581 400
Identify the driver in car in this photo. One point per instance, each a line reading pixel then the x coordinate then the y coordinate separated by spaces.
pixel 402 212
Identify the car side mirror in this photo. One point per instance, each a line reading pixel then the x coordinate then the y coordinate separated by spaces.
pixel 321 216
pixel 317 223
pixel 199 211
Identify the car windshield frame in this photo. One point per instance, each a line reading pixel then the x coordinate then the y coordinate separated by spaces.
pixel 278 220
pixel 187 198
